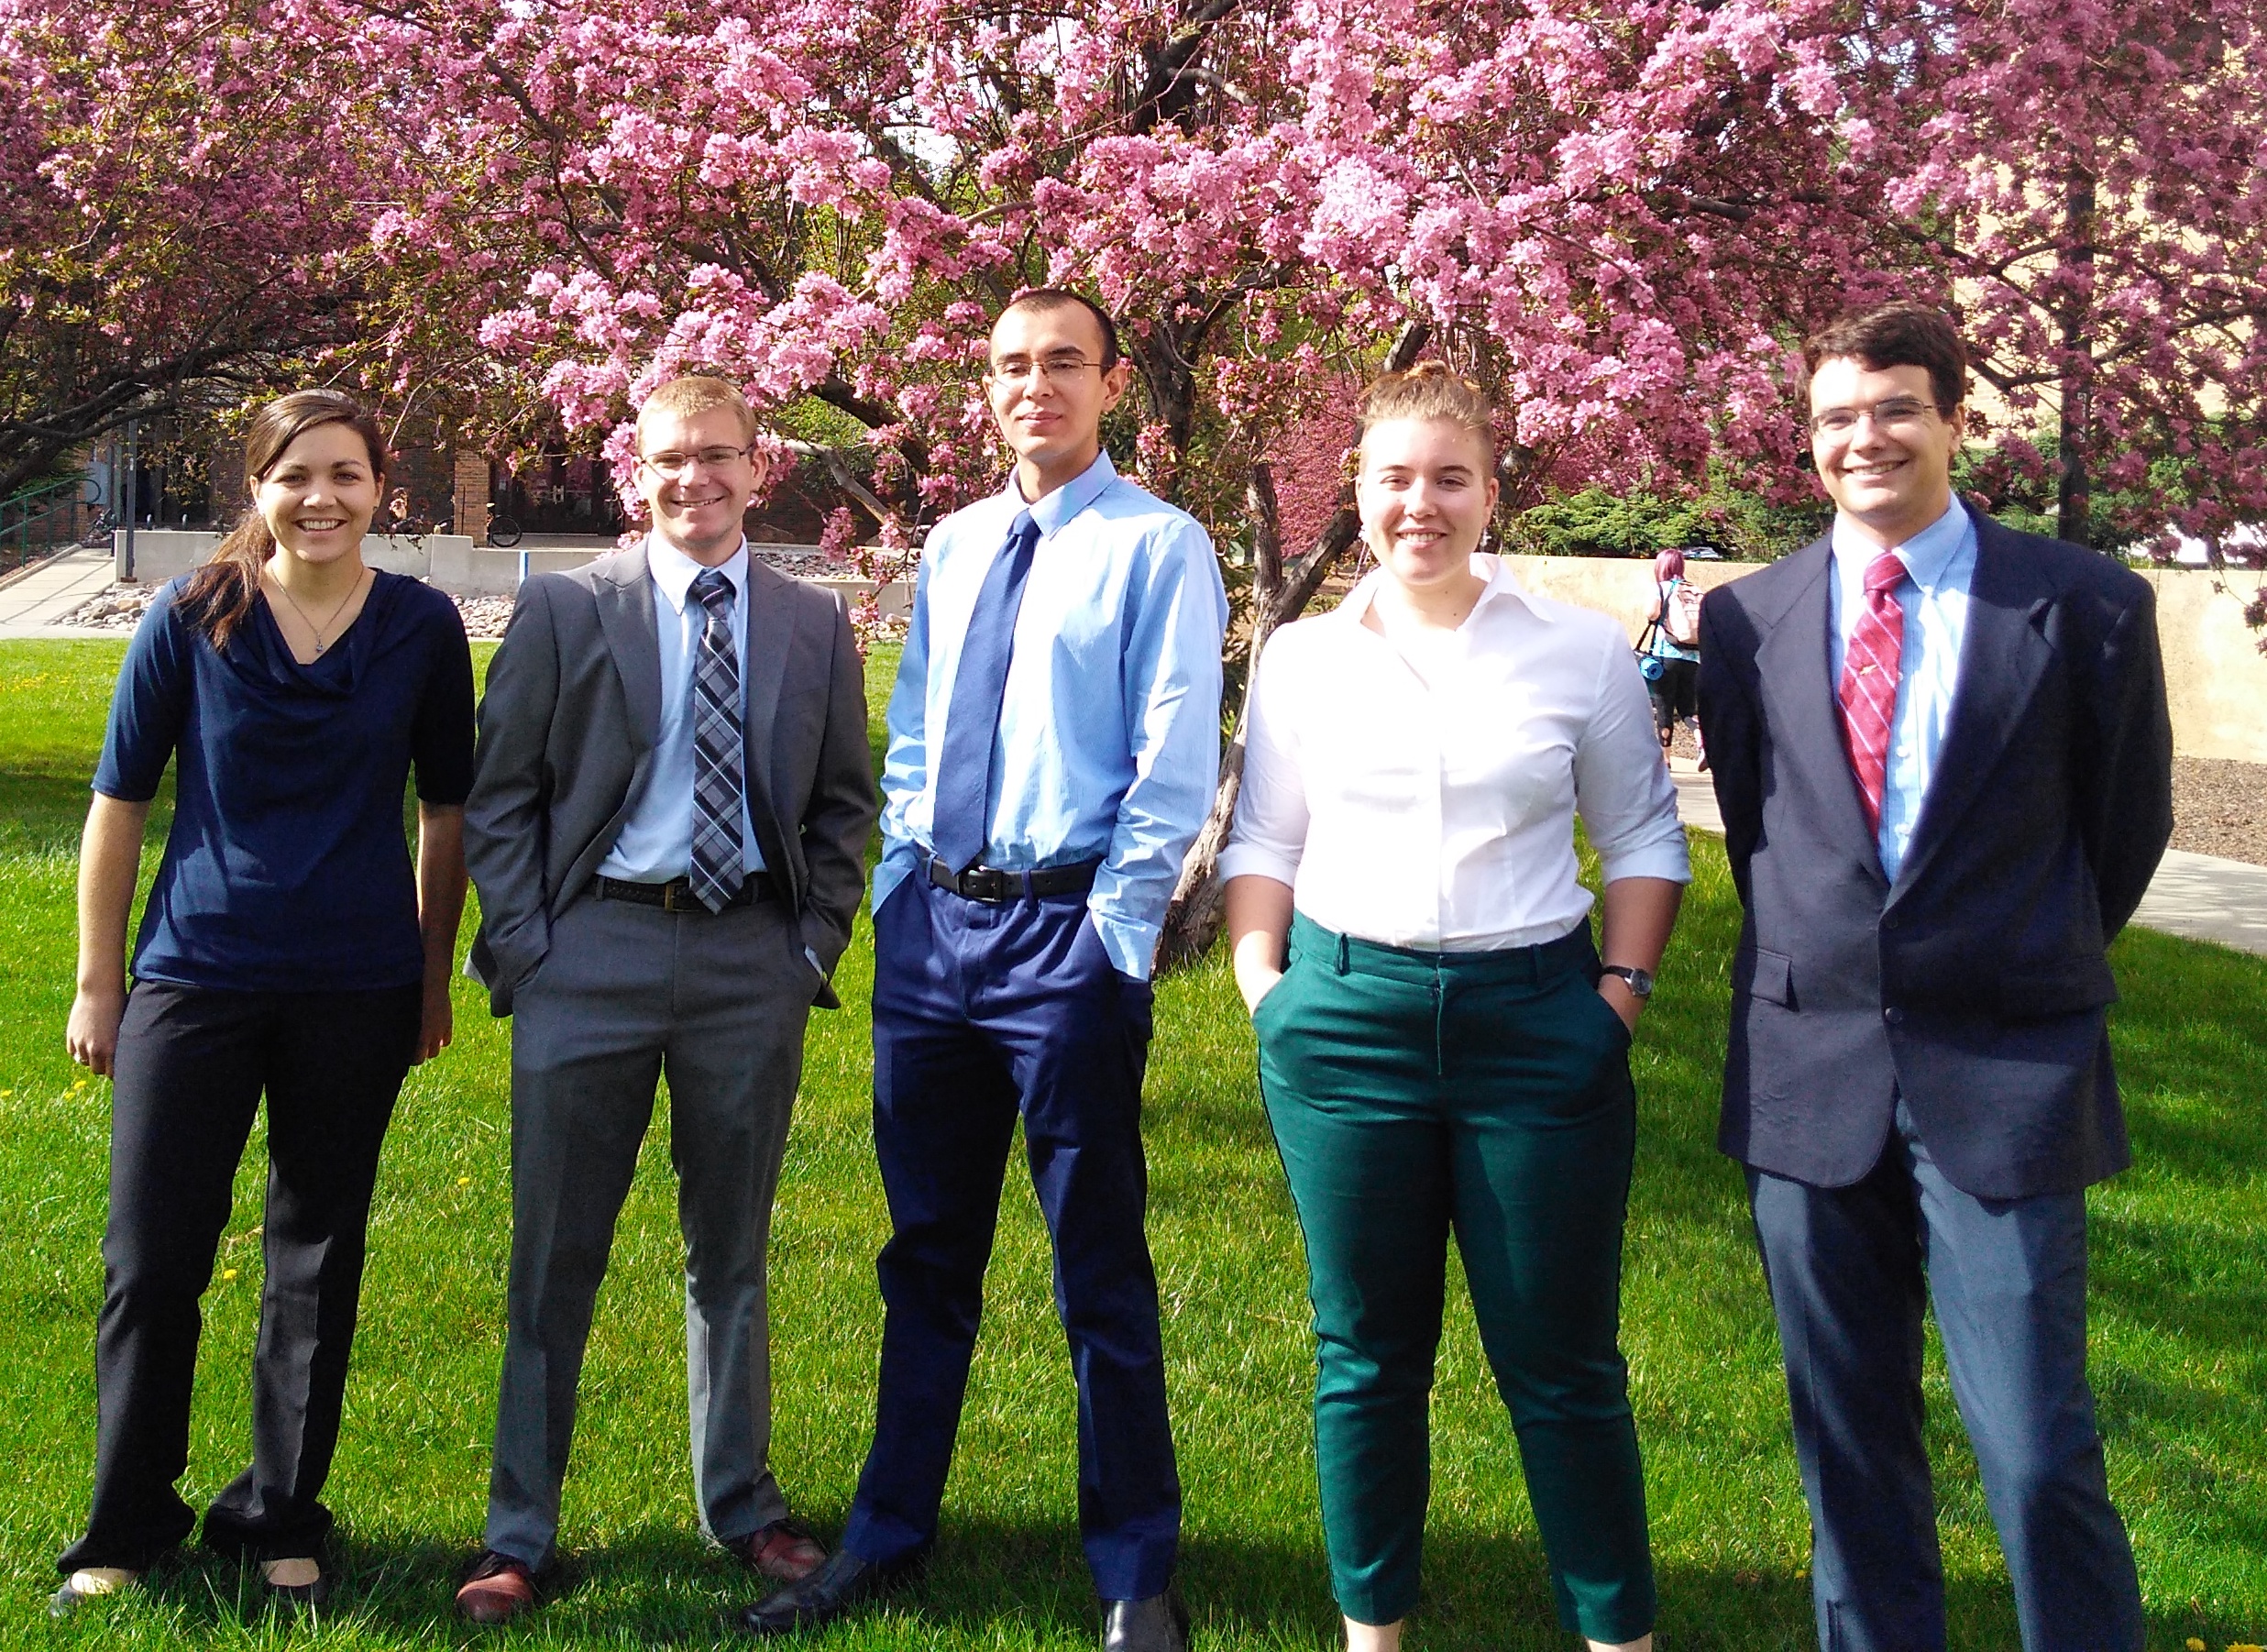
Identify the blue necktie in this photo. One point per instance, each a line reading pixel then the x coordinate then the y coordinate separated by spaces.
pixel 961 823
pixel 718 782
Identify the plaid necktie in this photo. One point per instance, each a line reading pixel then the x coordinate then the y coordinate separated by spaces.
pixel 960 822
pixel 718 782
pixel 1869 677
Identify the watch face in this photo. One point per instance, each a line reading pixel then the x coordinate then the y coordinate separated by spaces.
pixel 1639 983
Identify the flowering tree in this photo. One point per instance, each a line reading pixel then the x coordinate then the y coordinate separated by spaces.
pixel 175 222
pixel 2085 180
pixel 1622 213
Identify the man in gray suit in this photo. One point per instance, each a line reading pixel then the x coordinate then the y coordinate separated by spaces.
pixel 667 823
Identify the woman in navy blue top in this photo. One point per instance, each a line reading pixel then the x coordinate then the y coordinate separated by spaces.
pixel 289 949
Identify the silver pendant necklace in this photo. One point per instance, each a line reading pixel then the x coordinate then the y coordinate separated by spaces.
pixel 319 644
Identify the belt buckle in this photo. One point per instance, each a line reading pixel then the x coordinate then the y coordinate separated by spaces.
pixel 669 892
pixel 985 884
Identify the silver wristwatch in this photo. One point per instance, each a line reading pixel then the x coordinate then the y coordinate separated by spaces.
pixel 1638 981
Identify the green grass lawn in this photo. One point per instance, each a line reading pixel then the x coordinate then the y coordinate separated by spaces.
pixel 2179 1326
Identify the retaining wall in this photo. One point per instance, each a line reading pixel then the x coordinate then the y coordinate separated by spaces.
pixel 2215 674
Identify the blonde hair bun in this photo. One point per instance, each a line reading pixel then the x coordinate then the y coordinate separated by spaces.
pixel 1430 389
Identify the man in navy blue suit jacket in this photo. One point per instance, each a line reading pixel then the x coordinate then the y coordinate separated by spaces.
pixel 1943 759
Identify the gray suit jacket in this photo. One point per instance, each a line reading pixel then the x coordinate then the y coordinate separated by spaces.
pixel 567 731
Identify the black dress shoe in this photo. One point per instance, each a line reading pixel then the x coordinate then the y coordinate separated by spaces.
pixel 1160 1623
pixel 818 1600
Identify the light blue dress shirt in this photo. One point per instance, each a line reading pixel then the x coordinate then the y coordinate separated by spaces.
pixel 1109 736
pixel 656 845
pixel 1939 565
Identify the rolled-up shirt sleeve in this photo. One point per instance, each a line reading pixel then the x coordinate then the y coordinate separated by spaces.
pixel 1622 788
pixel 1270 833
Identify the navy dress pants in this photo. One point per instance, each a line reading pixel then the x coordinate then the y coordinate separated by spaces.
pixel 983 1011
pixel 1848 1270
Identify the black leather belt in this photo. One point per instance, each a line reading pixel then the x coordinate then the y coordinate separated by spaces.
pixel 990 884
pixel 676 895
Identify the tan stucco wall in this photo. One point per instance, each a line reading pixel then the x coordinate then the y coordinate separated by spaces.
pixel 2216 676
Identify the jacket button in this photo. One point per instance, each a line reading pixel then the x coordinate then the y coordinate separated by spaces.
pixel 1894 1016
pixel 1890 923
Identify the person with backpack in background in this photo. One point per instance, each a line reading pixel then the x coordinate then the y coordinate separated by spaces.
pixel 1672 643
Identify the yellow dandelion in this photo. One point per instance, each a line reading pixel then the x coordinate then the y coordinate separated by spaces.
pixel 227 1272
pixel 2194 1644
pixel 464 1181
pixel 2243 1647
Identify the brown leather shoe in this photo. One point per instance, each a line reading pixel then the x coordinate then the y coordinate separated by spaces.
pixel 497 1590
pixel 782 1551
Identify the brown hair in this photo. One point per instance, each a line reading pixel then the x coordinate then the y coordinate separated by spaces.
pixel 694 394
pixel 1430 389
pixel 1899 334
pixel 217 597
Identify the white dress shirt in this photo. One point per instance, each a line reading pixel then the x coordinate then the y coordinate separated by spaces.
pixel 1432 805
pixel 1939 565
pixel 656 842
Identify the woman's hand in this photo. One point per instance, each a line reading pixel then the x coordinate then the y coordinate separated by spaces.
pixel 92 1035
pixel 1255 982
pixel 437 1025
pixel 1258 910
pixel 110 854
pixel 1621 1000
pixel 440 906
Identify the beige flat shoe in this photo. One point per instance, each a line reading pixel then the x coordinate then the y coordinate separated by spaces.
pixel 91 1583
pixel 299 1578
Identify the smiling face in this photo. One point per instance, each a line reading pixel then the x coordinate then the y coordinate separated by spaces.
pixel 1051 418
pixel 1425 492
pixel 696 476
pixel 1889 473
pixel 318 496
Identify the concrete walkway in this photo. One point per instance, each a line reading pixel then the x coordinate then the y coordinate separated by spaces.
pixel 33 599
pixel 2199 896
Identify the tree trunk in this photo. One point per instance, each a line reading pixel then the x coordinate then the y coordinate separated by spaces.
pixel 1279 595
pixel 2073 499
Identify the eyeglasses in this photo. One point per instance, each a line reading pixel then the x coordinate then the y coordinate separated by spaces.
pixel 674 464
pixel 1896 414
pixel 1015 371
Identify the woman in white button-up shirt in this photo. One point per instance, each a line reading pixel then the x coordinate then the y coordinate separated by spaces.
pixel 1440 1048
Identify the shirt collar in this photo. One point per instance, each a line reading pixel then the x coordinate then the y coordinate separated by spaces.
pixel 1056 509
pixel 1494 570
pixel 1926 556
pixel 674 572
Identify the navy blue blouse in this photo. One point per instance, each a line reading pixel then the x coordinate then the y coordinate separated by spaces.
pixel 288 868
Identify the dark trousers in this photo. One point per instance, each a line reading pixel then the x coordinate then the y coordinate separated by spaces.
pixel 1413 1094
pixel 191 1066
pixel 1848 1270
pixel 1675 693
pixel 980 1012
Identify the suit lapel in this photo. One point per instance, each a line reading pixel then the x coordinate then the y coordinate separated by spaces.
pixel 771 632
pixel 2002 659
pixel 1805 717
pixel 625 600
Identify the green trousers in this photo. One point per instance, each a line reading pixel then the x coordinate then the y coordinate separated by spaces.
pixel 1488 1092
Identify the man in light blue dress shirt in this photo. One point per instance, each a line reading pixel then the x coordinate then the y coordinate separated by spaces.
pixel 1053 748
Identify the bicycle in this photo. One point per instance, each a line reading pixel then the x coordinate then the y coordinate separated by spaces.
pixel 503 532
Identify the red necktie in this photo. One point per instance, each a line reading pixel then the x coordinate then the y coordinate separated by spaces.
pixel 1869 673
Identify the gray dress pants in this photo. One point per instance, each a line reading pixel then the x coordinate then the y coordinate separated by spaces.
pixel 627 993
